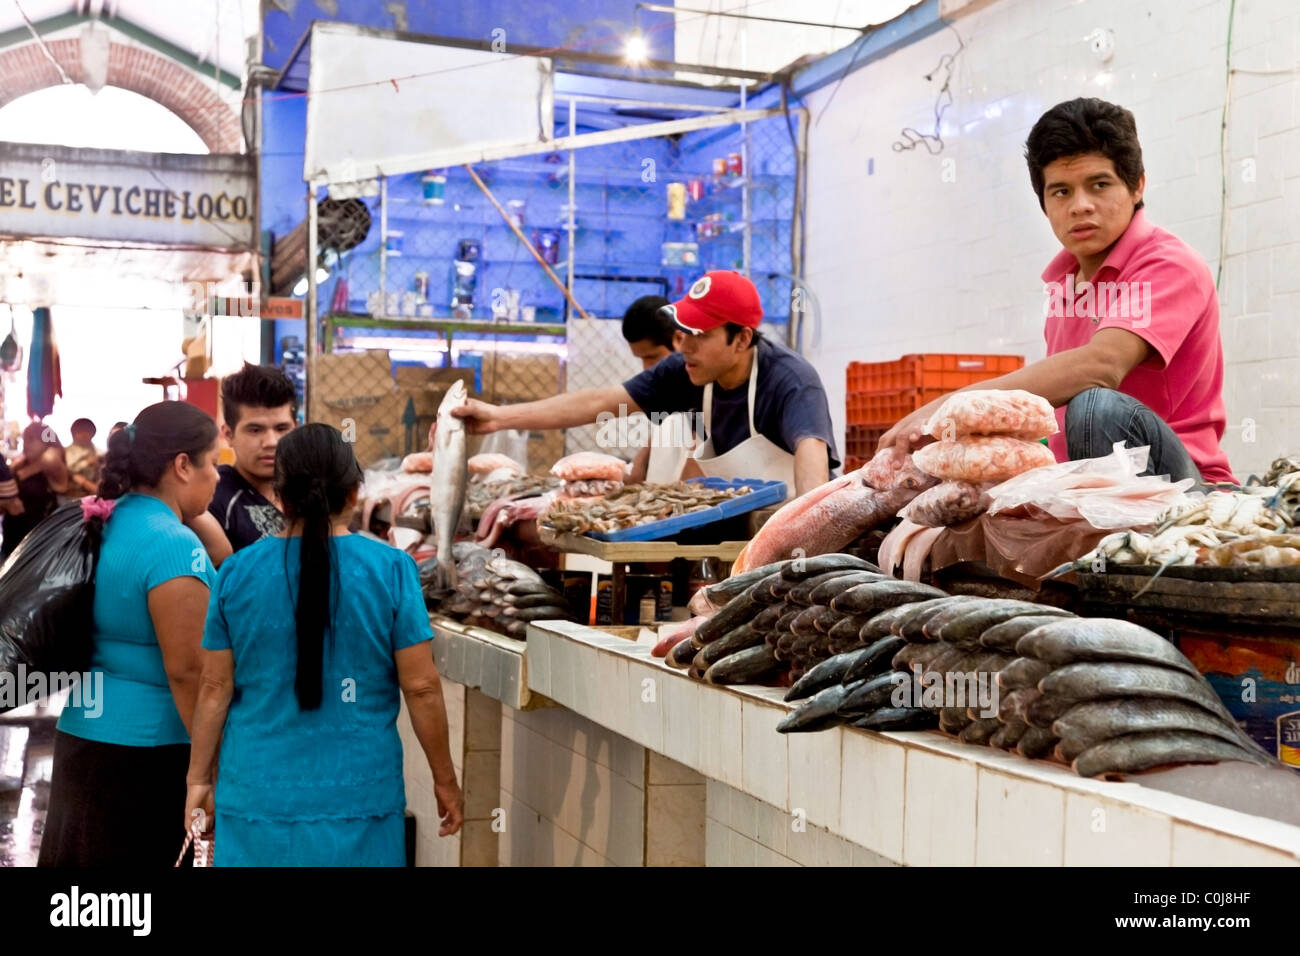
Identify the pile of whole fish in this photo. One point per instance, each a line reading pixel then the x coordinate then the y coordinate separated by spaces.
pixel 635 505
pixel 1102 695
pixel 783 619
pixel 492 592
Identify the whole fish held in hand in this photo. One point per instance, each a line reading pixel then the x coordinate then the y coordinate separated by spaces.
pixel 449 479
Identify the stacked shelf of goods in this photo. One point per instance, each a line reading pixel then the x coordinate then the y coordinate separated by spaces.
pixel 878 394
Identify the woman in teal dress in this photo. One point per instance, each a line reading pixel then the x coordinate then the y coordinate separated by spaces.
pixel 309 638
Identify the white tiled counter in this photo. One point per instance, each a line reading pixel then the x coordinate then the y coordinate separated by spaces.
pixel 543 785
pixel 846 796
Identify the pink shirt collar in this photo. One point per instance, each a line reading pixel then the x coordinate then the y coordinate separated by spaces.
pixel 1138 232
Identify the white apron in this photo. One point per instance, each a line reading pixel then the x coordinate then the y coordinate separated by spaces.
pixel 670 447
pixel 755 457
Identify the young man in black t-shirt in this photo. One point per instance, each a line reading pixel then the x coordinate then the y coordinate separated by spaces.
pixel 259 405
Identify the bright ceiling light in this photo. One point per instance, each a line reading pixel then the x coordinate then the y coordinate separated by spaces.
pixel 637 50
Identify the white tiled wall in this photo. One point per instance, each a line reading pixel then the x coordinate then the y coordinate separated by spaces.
pixel 942 253
pixel 430 849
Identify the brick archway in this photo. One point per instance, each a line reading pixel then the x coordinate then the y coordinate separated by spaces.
pixel 25 69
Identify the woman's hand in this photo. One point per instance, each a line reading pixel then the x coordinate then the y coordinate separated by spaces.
pixel 451 806
pixel 199 803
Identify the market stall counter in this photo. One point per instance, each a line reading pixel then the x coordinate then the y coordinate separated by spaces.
pixel 848 796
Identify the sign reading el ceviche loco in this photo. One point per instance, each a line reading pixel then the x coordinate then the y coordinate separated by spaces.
pixel 164 198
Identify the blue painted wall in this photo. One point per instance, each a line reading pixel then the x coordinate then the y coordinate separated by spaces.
pixel 597 26
pixel 621 211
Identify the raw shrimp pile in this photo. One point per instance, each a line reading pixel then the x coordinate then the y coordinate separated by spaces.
pixel 984 436
pixel 635 505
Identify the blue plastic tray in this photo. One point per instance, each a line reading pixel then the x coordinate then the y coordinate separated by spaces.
pixel 764 493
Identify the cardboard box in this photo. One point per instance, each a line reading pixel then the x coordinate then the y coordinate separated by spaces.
pixel 355 393
pixel 521 378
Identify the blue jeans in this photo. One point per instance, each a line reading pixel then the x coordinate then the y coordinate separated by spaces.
pixel 1097 418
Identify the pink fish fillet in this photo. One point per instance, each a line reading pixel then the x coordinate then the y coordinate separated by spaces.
pixel 824 521
pixel 894 546
pixel 918 549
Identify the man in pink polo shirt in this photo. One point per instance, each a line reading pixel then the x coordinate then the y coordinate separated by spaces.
pixel 1133 349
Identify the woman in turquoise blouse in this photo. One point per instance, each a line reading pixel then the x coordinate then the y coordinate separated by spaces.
pixel 121 751
pixel 309 638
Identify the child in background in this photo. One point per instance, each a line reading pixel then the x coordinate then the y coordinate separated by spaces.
pixel 83 460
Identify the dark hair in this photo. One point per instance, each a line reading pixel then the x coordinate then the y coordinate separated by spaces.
pixel 118 425
pixel 161 432
pixel 261 386
pixel 644 320
pixel 735 328
pixel 84 424
pixel 36 432
pixel 1085 125
pixel 315 472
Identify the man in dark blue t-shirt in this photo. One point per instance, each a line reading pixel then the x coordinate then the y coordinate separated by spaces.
pixel 762 407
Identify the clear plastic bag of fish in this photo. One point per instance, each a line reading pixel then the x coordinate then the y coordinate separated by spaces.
pixel 993 411
pixel 948 503
pixel 979 459
pixel 590 465
pixel 1108 492
pixel 47 595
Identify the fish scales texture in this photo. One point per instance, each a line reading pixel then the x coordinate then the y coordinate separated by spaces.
pixel 449 479
pixel 1101 639
pixel 913 628
pixel 817 712
pixel 881 595
pixel 1096 681
pixel 736 640
pixel 724 591
pixel 1008 735
pixel 1023 672
pixel 1035 743
pixel 823 675
pixel 846 629
pixel 876 658
pixel 891 621
pixel 737 611
pixel 1003 636
pixel 898 718
pixel 802 592
pixel 829 618
pixel 968 623
pixel 1135 752
pixel 1045 709
pixel 979 731
pixel 766 619
pixel 953 720
pixel 743 667
pixel 1086 725
pixel 828 590
pixel 804 623
pixel 871 694
pixel 801 569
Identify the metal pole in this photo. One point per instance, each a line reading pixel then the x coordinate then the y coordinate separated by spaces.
pixel 746 151
pixel 383 245
pixel 312 313
pixel 572 224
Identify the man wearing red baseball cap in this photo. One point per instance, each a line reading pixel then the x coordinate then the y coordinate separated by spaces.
pixel 761 408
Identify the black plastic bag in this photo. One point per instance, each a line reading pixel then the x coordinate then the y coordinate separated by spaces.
pixel 47 598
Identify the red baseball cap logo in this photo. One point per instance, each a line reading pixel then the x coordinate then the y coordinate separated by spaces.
pixel 715 299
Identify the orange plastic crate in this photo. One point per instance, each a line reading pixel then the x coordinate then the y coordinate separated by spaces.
pixel 928 370
pixel 886 408
pixel 860 440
